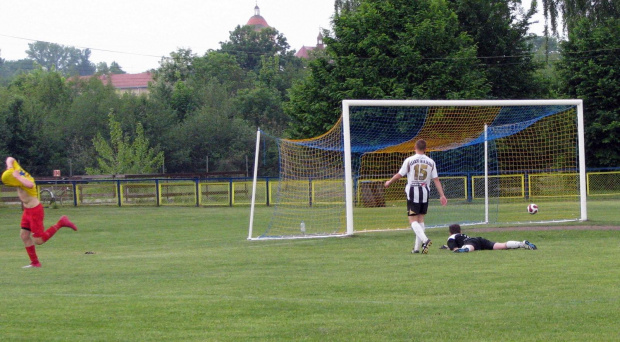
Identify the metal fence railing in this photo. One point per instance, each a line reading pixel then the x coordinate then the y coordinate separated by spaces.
pixel 601 183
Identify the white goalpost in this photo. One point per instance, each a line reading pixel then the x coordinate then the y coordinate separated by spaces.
pixel 493 157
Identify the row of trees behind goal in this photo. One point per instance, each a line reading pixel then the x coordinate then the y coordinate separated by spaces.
pixel 203 109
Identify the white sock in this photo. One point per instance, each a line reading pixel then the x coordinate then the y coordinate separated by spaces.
pixel 416 246
pixel 514 244
pixel 419 231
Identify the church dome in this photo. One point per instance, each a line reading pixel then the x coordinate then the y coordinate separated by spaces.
pixel 257 20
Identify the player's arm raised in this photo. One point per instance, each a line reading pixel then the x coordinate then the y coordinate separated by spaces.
pixel 9 162
pixel 25 181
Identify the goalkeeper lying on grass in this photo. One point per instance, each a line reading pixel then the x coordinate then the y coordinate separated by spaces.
pixel 461 243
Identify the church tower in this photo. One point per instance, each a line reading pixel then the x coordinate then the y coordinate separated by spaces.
pixel 257 21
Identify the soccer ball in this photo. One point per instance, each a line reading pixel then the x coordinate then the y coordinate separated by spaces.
pixel 532 208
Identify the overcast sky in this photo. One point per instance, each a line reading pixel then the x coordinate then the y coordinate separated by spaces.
pixel 137 33
pixel 140 32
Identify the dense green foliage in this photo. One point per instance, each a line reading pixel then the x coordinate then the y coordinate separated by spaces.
pixel 202 111
pixel 570 13
pixel 123 156
pixel 590 69
pixel 10 69
pixel 433 49
pixel 503 46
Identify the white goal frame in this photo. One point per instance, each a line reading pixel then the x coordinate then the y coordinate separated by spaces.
pixel 347 104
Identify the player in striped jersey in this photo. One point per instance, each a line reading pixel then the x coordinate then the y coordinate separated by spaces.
pixel 461 243
pixel 420 170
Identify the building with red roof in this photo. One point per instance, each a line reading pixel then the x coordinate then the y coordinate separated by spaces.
pixel 304 52
pixel 127 83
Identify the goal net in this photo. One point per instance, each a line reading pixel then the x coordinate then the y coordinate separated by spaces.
pixel 493 158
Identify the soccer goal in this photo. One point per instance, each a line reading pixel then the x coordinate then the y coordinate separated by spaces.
pixel 494 157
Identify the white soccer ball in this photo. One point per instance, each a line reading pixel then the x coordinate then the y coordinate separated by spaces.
pixel 532 208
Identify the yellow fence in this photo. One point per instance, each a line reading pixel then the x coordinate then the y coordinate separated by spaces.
pixel 603 183
pixel 369 192
pixel 508 186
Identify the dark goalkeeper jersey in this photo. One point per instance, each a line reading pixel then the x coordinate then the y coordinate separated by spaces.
pixel 457 240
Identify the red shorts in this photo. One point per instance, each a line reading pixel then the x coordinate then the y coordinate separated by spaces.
pixel 32 220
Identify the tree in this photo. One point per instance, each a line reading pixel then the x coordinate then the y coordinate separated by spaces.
pixel 262 104
pixel 177 67
pixel 5 132
pixel 103 68
pixel 248 45
pixel 280 76
pixel 84 117
pixel 590 69
pixel 222 68
pixel 547 53
pixel 11 124
pixel 35 108
pixel 499 29
pixel 157 119
pixel 387 49
pixel 572 11
pixel 213 133
pixel 262 108
pixel 122 156
pixel 170 80
pixel 115 68
pixel 84 66
pixel 10 69
pixel 341 6
pixel 65 59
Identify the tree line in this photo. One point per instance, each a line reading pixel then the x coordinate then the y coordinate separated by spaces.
pixel 66 60
pixel 202 111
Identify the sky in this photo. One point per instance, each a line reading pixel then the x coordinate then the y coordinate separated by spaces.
pixel 138 33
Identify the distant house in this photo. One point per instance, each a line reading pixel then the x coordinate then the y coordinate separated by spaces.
pixel 127 83
pixel 304 52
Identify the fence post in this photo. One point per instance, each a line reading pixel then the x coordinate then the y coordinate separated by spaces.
pixel 157 197
pixel 197 185
pixel 526 185
pixel 118 192
pixel 469 187
pixel 267 190
pixel 231 189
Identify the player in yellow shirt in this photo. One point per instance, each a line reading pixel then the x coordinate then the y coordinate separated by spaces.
pixel 32 229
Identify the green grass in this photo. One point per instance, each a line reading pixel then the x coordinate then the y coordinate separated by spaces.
pixel 189 274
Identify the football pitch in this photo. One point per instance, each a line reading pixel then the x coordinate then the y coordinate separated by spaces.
pixel 189 274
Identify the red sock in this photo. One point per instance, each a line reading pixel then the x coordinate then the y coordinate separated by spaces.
pixel 50 232
pixel 32 253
